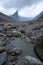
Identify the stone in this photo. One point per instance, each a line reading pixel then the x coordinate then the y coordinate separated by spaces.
pixel 39 47
pixel 12 58
pixel 10 63
pixel 2 49
pixel 16 33
pixel 28 60
pixel 13 63
pixel 3 58
pixel 19 51
pixel 12 50
pixel 16 51
pixel 31 60
pixel 9 48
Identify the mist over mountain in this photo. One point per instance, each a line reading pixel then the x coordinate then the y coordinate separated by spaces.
pixel 16 17
pixel 20 18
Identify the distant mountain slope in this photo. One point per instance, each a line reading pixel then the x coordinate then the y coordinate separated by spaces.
pixel 20 18
pixel 15 16
pixel 39 16
pixel 25 18
pixel 4 17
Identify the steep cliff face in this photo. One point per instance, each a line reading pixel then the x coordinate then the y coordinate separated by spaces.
pixel 15 16
pixel 39 48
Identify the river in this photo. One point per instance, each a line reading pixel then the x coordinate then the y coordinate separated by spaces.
pixel 28 48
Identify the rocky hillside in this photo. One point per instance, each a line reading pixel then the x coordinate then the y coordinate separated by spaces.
pixel 5 18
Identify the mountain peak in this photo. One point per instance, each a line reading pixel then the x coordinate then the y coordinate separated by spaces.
pixel 15 15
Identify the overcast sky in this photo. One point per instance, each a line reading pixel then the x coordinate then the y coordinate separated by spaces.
pixel 10 6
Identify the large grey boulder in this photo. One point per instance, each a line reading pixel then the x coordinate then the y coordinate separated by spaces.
pixel 3 58
pixel 28 60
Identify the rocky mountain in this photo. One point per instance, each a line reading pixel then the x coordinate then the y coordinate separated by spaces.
pixel 4 17
pixel 15 16
pixel 20 18
pixel 39 16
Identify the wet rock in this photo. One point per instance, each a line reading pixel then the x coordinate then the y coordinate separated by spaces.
pixel 3 58
pixel 28 39
pixel 2 49
pixel 9 48
pixel 10 63
pixel 16 51
pixel 12 58
pixel 13 51
pixel 19 51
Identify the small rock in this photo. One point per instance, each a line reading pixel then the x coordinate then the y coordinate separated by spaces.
pixel 13 63
pixel 9 48
pixel 12 58
pixel 19 51
pixel 2 49
pixel 16 51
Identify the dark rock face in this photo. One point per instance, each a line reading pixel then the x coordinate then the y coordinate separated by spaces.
pixel 39 42
pixel 39 48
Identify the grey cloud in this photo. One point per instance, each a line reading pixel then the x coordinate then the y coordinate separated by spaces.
pixel 17 3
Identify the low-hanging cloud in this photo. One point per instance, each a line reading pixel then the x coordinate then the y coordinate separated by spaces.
pixel 17 3
pixel 13 5
pixel 31 11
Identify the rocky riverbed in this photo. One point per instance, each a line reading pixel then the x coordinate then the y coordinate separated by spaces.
pixel 16 42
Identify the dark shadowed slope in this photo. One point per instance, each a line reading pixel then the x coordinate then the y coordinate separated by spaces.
pixel 6 18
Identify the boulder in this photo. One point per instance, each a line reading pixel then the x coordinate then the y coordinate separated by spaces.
pixel 12 58
pixel 2 49
pixel 28 60
pixel 13 33
pixel 16 51
pixel 3 58
pixel 39 47
pixel 9 48
pixel 13 51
